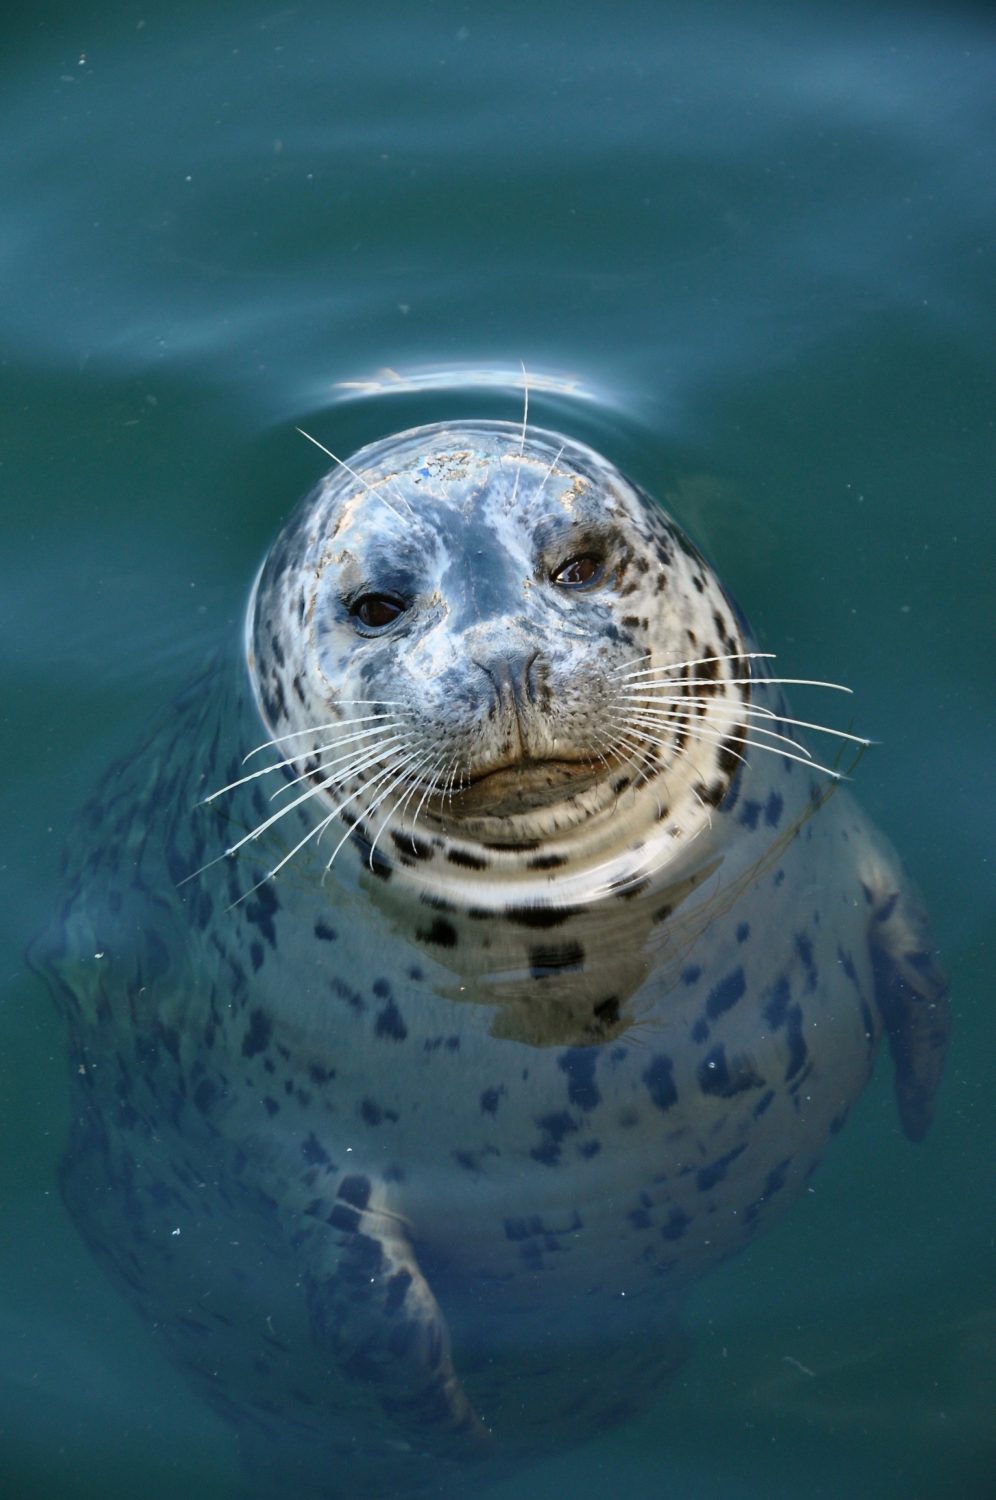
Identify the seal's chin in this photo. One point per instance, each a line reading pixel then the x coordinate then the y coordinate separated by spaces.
pixel 521 788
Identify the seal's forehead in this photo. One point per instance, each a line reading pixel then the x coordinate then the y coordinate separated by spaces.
pixel 436 482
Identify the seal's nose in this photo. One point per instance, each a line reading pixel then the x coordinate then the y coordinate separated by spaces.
pixel 510 675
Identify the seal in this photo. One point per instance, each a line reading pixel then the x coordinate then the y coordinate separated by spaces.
pixel 465 968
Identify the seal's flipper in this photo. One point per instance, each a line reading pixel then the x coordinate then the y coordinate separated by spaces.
pixel 376 1312
pixel 911 991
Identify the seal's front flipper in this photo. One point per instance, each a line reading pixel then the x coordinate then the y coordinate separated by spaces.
pixel 911 992
pixel 376 1312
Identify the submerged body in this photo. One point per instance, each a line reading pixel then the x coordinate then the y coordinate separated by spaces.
pixel 408 1153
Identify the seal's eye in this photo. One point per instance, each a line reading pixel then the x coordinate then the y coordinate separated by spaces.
pixel 578 572
pixel 376 610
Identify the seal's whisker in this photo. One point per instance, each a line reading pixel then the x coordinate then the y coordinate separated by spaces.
pixel 542 484
pixel 291 760
pixel 321 728
pixel 837 687
pixel 402 801
pixel 354 760
pixel 371 807
pixel 754 710
pixel 377 779
pixel 727 741
pixel 261 828
pixel 430 787
pixel 674 716
pixel 698 661
pixel 697 730
pixel 652 770
pixel 448 794
pixel 359 477
pixel 633 740
pixel 315 832
pixel 522 438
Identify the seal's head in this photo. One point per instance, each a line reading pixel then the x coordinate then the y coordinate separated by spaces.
pixel 483 650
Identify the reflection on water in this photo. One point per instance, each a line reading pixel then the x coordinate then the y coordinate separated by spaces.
pixel 409 1156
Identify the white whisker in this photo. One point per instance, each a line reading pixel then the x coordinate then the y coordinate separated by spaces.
pixel 321 728
pixel 355 760
pixel 542 484
pixel 837 687
pixel 430 787
pixel 699 661
pixel 676 716
pixel 279 765
pixel 400 804
pixel 371 807
pixel 522 439
pixel 359 477
pixel 695 729
pixel 717 706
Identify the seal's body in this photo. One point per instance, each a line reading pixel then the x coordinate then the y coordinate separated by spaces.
pixel 543 966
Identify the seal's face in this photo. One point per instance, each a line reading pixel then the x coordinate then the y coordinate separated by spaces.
pixel 483 636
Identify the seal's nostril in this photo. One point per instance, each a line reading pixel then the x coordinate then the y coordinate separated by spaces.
pixel 510 676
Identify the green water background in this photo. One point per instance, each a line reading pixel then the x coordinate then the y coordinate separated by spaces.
pixel 753 245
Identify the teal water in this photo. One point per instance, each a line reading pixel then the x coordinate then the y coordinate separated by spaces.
pixel 749 250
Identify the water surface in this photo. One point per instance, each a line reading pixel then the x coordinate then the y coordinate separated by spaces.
pixel 750 250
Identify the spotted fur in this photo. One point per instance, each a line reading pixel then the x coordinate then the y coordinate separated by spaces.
pixel 408 1156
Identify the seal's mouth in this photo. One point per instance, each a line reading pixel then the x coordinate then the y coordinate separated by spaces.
pixel 521 787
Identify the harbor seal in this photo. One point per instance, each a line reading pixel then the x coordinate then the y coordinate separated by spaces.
pixel 465 968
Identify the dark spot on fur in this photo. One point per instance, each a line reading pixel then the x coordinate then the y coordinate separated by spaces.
pixel 804 948
pixel 416 848
pixel 345 1219
pixel 257 1037
pixel 677 1223
pixel 397 1290
pixel 374 1114
pixel 539 916
pixel 547 862
pixel 774 1182
pixel 776 1008
pixel 442 933
pixel 467 860
pixel 660 1083
pixel 763 1103
pixel 727 1077
pixel 261 910
pixel 773 810
pixel 726 993
pixel 798 1051
pixel 607 1011
pixel 355 1189
pixel 554 1127
pixel 313 1152
pixel 490 1099
pixel 750 812
pixel 579 1065
pixel 715 1172
pixel 325 933
pixel 390 1023
pixel 555 958
pixel 205 1095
